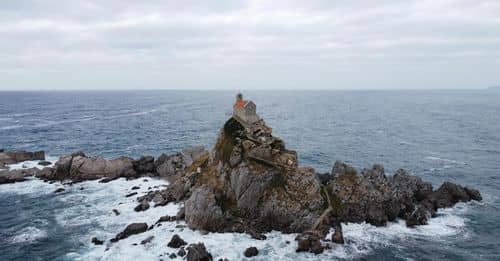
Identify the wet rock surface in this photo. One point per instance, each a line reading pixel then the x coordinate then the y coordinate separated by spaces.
pixel 251 183
pixel 310 241
pixel 18 175
pixel 176 242
pixel 59 190
pixel 132 229
pixel 251 251
pixel 143 206
pixel 375 198
pixel 198 252
pixel 96 241
pixel 147 240
pixel 202 211
pixel 338 236
pixel 11 157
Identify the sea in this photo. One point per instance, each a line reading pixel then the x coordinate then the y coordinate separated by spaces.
pixel 438 135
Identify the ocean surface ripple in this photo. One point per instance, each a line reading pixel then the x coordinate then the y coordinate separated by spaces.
pixel 437 135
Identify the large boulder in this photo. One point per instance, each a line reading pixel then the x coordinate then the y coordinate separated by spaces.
pixel 251 251
pixel 310 241
pixel 176 241
pixel 168 166
pixel 198 252
pixel 145 165
pixel 45 173
pixel 202 211
pixel 79 167
pixel 193 154
pixel 173 166
pixel 89 168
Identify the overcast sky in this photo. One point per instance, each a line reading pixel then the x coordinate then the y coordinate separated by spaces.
pixel 342 44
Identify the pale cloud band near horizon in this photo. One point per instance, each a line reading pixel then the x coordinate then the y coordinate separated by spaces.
pixel 90 44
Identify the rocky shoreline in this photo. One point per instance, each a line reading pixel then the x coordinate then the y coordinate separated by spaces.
pixel 251 183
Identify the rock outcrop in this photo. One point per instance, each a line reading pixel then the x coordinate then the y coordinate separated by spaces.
pixel 78 167
pixel 18 175
pixel 250 182
pixel 374 198
pixel 11 157
pixel 202 211
pixel 198 252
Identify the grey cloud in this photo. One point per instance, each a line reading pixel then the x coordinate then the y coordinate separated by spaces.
pixel 249 44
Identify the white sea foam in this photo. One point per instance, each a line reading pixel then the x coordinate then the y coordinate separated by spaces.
pixel 130 113
pixel 51 123
pixel 32 186
pixel 32 164
pixel 445 160
pixel 92 207
pixel 361 238
pixel 29 235
pixel 11 127
pixel 403 142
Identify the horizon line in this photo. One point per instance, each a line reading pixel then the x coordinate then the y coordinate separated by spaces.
pixel 242 89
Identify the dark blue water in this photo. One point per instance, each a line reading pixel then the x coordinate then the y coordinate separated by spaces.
pixel 438 135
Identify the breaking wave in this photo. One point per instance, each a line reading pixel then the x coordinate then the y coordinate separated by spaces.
pixel 90 205
pixel 29 235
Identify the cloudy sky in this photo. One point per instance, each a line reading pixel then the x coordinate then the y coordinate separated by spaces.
pixel 342 44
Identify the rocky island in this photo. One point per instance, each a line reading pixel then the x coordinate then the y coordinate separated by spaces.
pixel 249 182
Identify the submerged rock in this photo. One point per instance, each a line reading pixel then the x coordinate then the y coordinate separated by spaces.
pixel 131 194
pixel 59 190
pixel 96 241
pixel 147 240
pixel 132 229
pixel 143 206
pixel 44 163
